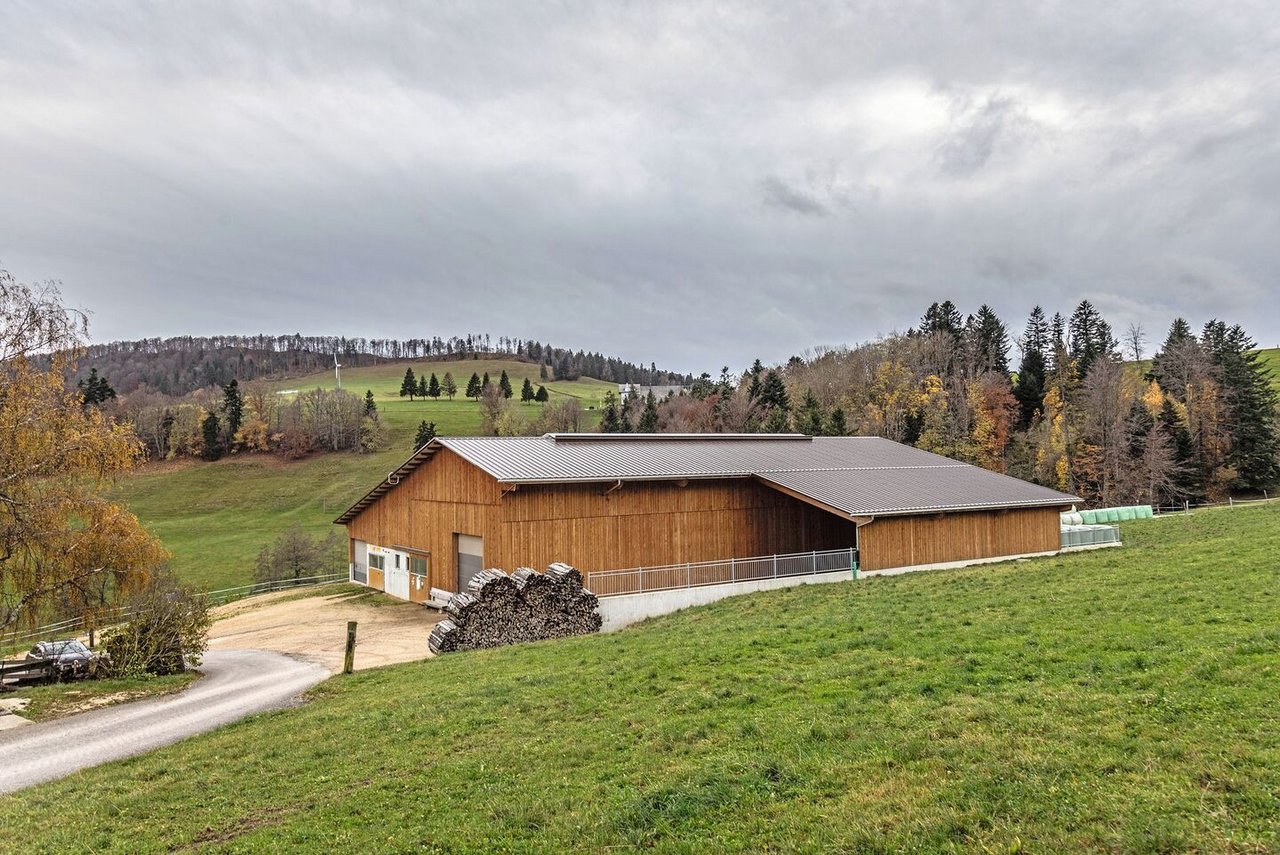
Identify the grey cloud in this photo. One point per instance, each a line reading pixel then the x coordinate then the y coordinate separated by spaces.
pixel 779 194
pixel 693 183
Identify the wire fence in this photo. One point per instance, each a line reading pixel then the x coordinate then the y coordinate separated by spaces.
pixel 108 617
pixel 644 580
pixel 1188 507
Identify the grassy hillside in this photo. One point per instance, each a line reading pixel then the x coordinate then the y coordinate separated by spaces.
pixel 215 517
pixel 1270 357
pixel 1120 700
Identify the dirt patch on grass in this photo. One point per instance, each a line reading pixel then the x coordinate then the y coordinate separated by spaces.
pixel 315 627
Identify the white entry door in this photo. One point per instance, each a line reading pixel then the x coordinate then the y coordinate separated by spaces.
pixel 397 576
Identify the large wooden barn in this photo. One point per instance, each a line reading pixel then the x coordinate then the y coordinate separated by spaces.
pixel 604 502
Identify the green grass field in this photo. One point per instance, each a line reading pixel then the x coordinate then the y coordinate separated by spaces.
pixel 216 517
pixel 1122 700
pixel 1270 359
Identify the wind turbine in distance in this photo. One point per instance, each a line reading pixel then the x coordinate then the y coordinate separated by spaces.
pixel 337 369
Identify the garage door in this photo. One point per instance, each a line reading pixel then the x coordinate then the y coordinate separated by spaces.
pixel 470 558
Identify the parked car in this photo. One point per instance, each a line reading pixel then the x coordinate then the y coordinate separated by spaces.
pixel 70 659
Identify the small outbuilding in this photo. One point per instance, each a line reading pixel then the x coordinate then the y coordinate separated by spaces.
pixel 611 502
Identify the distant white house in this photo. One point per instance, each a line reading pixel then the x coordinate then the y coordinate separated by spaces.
pixel 625 390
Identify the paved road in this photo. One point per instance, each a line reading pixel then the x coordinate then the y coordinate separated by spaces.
pixel 236 684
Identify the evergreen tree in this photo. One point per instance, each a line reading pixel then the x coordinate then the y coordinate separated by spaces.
pixel 233 407
pixel 1178 360
pixel 526 391
pixel 1091 337
pixel 1253 404
pixel 610 419
pixel 542 372
pixel 649 418
pixel 988 341
pixel 753 385
pixel 1032 370
pixel 809 416
pixel 449 387
pixel 773 393
pixel 474 387
pixel 541 396
pixel 484 381
pixel 211 431
pixel 95 390
pixel 504 384
pixel 370 405
pixel 409 385
pixel 433 387
pixel 1186 476
pixel 426 433
pixel 837 426
pixel 942 317
pixel 423 388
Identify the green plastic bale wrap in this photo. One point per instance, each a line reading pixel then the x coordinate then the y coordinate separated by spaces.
pixel 1145 512
pixel 1089 517
pixel 1128 514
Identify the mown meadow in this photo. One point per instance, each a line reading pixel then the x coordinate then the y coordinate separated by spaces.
pixel 1122 700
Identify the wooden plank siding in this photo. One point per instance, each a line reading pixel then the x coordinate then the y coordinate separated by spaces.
pixel 908 541
pixel 444 496
pixel 645 524
pixel 656 523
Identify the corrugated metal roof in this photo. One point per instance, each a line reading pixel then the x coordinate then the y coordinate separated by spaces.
pixel 857 476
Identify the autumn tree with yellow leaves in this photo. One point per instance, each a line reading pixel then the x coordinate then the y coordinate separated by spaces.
pixel 61 541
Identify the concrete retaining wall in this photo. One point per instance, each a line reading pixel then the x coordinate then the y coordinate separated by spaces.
pixel 627 609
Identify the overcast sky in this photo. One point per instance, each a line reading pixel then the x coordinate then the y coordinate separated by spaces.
pixel 692 184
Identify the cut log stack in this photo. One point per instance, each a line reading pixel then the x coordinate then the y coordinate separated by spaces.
pixel 498 609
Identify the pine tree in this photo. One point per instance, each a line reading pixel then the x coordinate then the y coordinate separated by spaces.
pixel 541 396
pixel 1032 370
pixel 504 384
pixel 988 341
pixel 433 387
pixel 422 386
pixel 1252 402
pixel 233 407
pixel 211 431
pixel 1176 364
pixel 753 386
pixel 449 387
pixel 426 433
pixel 837 425
pixel 809 416
pixel 1186 477
pixel 526 391
pixel 474 387
pixel 370 405
pixel 610 419
pixel 649 418
pixel 1091 337
pixel 773 393
pixel 942 317
pixel 409 385
pixel 484 381
pixel 95 390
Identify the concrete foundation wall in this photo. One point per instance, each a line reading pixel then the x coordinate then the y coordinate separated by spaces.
pixel 627 609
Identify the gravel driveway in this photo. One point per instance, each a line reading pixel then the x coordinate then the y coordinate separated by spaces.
pixel 263 653
pixel 235 684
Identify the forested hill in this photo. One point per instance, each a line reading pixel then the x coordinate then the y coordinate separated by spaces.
pixel 177 366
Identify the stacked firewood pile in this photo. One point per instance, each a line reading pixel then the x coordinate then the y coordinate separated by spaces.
pixel 498 609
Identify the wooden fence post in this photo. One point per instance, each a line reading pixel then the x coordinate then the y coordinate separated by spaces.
pixel 349 662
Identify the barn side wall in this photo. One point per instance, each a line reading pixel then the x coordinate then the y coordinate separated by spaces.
pixel 656 523
pixel 444 496
pixel 908 541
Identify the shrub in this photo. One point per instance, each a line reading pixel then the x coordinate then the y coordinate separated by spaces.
pixel 166 631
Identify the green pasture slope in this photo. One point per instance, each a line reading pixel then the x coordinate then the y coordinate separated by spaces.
pixel 1270 358
pixel 215 517
pixel 1122 700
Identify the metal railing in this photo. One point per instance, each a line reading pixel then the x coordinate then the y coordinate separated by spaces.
pixel 643 580
pixel 102 619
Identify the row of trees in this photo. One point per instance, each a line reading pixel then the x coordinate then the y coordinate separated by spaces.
pixel 253 419
pixel 1201 423
pixel 418 386
pixel 184 364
